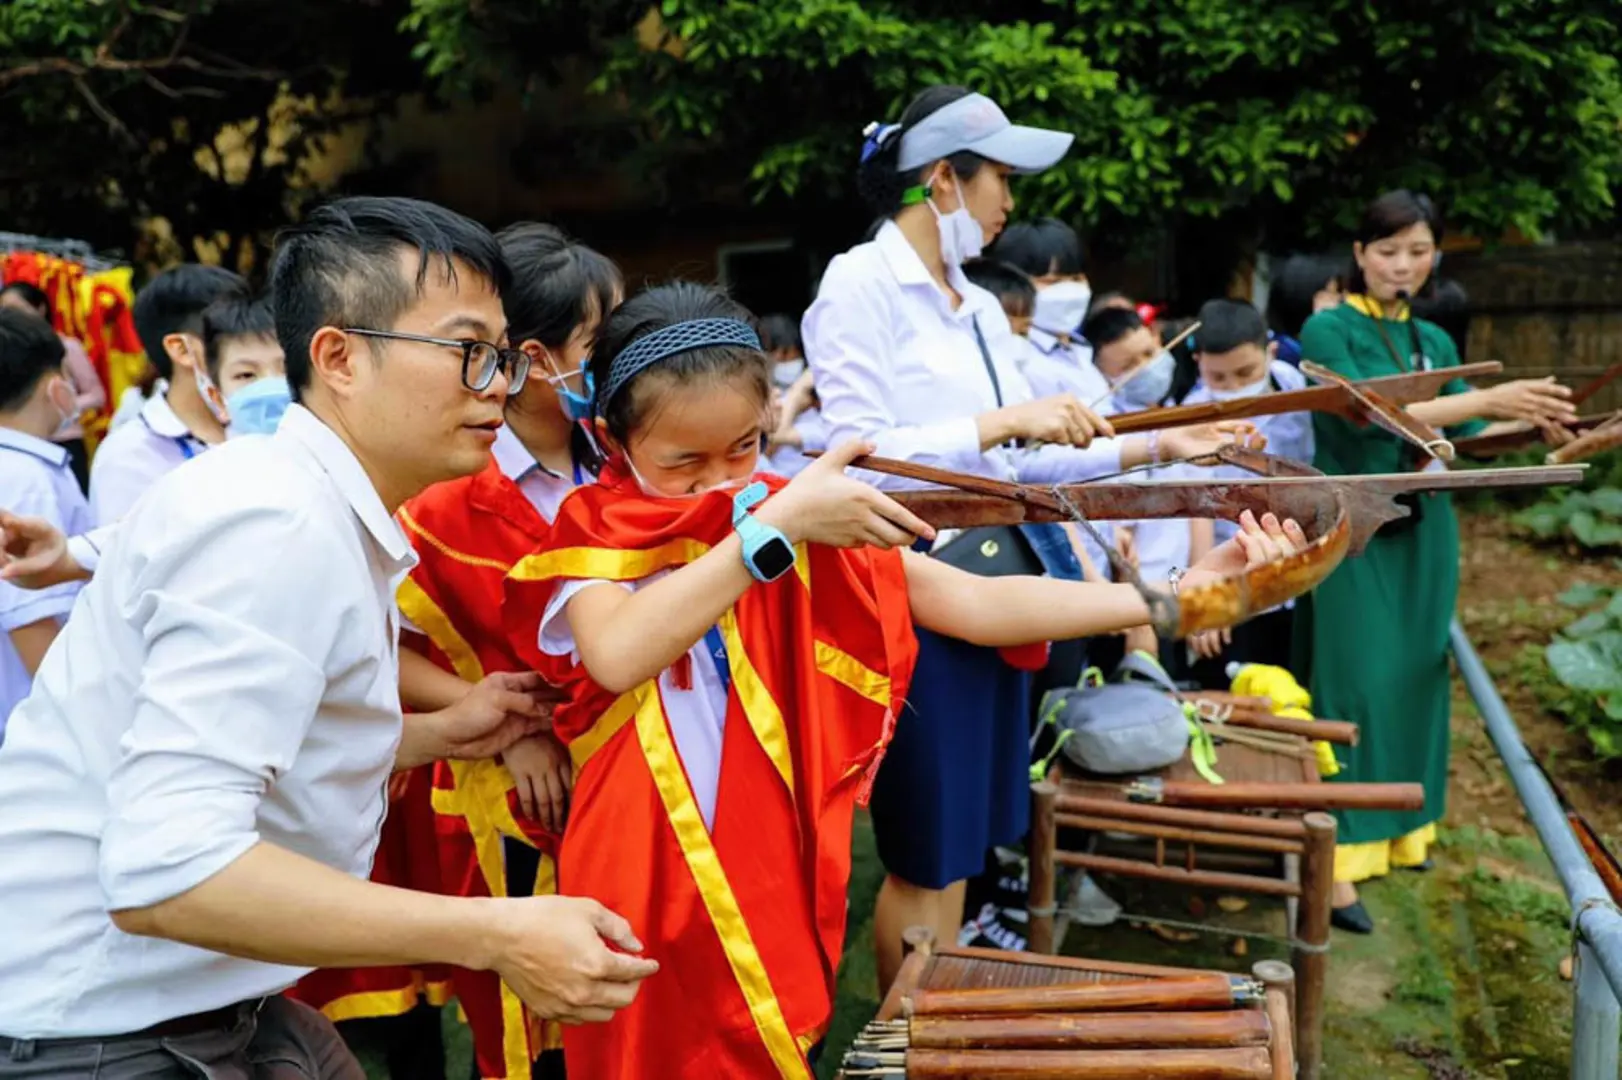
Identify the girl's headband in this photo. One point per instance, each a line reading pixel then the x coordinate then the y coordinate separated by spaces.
pixel 670 341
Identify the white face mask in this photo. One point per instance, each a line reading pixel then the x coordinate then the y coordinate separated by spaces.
pixel 1061 307
pixel 649 489
pixel 962 238
pixel 1151 384
pixel 1255 389
pixel 784 372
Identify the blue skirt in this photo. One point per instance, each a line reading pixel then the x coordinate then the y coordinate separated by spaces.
pixel 956 779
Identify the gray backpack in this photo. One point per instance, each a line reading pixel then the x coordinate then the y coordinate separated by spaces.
pixel 1135 723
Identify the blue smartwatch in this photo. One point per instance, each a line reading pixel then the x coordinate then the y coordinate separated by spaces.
pixel 766 551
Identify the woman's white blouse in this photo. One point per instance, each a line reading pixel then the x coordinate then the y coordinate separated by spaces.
pixel 896 365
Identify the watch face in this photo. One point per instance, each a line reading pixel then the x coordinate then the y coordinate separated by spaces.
pixel 774 558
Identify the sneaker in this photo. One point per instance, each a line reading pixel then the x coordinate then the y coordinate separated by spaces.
pixel 1093 906
pixel 991 931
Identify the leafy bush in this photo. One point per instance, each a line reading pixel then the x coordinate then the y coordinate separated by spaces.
pixel 1586 661
pixel 1592 518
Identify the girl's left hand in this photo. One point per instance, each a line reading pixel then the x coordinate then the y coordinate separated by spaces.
pixel 1200 439
pixel 1254 544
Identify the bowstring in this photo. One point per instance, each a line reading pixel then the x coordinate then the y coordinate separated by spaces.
pixel 1209 459
pixel 1162 607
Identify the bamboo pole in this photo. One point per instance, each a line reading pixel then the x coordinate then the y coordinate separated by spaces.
pixel 1267 796
pixel 1212 990
pixel 1199 879
pixel 1181 834
pixel 1311 954
pixel 1091 1031
pixel 1068 803
pixel 1041 894
pixel 1244 1064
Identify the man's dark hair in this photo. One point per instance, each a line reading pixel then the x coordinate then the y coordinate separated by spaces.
pixel 339 267
pixel 29 351
pixel 235 316
pixel 1045 246
pixel 1105 326
pixel 173 303
pixel 31 294
pixel 1227 324
pixel 1009 284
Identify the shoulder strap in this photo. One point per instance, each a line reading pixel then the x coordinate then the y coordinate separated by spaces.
pixel 985 354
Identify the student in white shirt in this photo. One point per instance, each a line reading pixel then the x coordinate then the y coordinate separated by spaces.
pixel 190 798
pixel 36 478
pixel 1234 358
pixel 1058 359
pixel 240 350
pixel 912 357
pixel 178 423
pixel 88 392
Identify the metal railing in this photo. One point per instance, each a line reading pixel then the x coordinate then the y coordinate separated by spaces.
pixel 1596 922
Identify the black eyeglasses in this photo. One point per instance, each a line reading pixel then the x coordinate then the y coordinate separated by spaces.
pixel 480 359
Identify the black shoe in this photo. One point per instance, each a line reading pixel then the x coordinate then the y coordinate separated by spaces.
pixel 1354 918
pixel 1423 867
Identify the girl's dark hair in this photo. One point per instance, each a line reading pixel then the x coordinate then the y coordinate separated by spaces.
pixel 1047 246
pixel 1389 215
pixel 1109 325
pixel 1105 299
pixel 780 332
pixel 1011 286
pixel 1289 302
pixel 558 283
pixel 655 309
pixel 879 179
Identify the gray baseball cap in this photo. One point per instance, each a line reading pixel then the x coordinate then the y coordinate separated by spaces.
pixel 975 124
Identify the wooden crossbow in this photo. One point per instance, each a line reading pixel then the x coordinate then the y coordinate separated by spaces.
pixel 1338 514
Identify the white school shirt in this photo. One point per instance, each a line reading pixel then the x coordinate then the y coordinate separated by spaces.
pixel 1289 435
pixel 133 457
pixel 35 480
pixel 1052 367
pixel 697 714
pixel 895 364
pixel 230 676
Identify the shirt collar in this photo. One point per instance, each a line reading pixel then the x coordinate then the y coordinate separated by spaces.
pixel 1367 305
pixel 1048 343
pixel 21 441
pixel 301 426
pixel 909 269
pixel 512 458
pixel 161 419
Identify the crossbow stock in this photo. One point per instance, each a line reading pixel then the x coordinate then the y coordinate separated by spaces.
pixel 1338 515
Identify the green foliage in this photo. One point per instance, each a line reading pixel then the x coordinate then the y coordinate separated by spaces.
pixel 1291 111
pixel 1585 660
pixel 110 110
pixel 1590 516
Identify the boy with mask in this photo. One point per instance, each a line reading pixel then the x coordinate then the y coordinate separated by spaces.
pixel 180 423
pixel 1235 359
pixel 246 372
pixel 36 478
pixel 1057 360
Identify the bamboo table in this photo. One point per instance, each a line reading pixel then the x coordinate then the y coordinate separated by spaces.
pixel 1172 1040
pixel 1270 813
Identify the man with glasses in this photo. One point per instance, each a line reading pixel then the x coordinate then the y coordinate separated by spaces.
pixel 190 798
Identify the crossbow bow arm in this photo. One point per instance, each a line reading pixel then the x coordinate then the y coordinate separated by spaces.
pixel 1403 389
pixel 1601 438
pixel 1338 514
pixel 1529 435
pixel 1384 412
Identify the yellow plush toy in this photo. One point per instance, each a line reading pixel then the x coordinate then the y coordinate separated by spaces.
pixel 1289 699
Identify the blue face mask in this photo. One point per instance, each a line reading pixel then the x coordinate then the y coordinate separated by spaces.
pixel 257 408
pixel 578 406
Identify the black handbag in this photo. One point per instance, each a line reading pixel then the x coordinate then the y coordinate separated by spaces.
pixel 991 551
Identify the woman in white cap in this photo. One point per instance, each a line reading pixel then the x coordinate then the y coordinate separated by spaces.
pixel 909 355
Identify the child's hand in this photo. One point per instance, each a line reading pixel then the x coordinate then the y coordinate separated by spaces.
pixel 1142 639
pixel 34 553
pixel 1210 644
pixel 542 776
pixel 824 506
pixel 1254 544
pixel 1126 545
pixel 1201 439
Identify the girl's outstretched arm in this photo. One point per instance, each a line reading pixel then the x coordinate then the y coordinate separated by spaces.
pixel 1002 611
